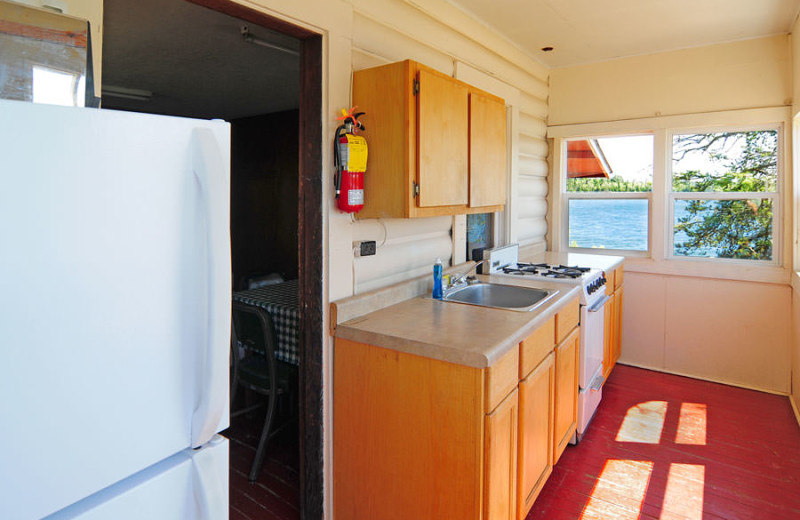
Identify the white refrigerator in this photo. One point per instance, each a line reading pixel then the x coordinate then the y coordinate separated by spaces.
pixel 115 284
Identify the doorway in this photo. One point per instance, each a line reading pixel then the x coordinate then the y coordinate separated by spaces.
pixel 137 80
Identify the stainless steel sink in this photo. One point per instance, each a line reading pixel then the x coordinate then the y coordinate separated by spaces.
pixel 500 296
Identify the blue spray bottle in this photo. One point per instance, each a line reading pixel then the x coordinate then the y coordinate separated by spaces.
pixel 437 279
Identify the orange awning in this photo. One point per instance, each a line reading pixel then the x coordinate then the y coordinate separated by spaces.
pixel 586 159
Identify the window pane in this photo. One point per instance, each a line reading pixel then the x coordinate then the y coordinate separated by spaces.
pixel 622 164
pixel 738 228
pixel 725 162
pixel 608 223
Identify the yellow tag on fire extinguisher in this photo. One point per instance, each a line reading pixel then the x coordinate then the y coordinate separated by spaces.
pixel 357 153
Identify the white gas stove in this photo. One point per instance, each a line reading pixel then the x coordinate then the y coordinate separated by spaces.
pixel 504 261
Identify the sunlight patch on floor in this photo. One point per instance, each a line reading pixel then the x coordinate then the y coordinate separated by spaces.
pixel 683 499
pixel 643 423
pixel 619 491
pixel 692 424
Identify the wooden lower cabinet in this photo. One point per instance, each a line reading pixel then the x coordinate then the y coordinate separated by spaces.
pixel 419 438
pixel 413 439
pixel 609 334
pixel 536 414
pixel 617 343
pixel 500 461
pixel 566 390
pixel 612 341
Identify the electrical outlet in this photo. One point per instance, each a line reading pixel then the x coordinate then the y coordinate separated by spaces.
pixel 364 248
pixel 368 248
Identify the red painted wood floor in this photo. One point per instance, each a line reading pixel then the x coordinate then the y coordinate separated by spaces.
pixel 670 447
pixel 276 494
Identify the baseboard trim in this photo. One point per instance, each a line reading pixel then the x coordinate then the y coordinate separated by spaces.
pixel 796 411
pixel 710 380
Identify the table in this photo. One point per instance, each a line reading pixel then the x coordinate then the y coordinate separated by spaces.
pixel 280 301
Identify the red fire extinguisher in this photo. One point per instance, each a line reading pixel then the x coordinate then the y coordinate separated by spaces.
pixel 350 156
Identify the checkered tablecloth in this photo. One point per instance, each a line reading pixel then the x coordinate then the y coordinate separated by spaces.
pixel 280 301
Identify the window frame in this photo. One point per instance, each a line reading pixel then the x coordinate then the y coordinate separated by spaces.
pixel 657 262
pixel 605 195
pixel 775 196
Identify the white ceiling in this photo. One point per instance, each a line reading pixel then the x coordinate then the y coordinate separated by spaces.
pixel 586 31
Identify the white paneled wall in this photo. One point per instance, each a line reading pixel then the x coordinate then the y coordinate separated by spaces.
pixel 439 35
pixel 405 249
pixel 532 179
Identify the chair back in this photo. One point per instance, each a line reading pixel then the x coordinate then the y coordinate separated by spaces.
pixel 252 330
pixel 253 343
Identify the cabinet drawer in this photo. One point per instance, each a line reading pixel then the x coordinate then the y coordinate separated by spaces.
pixel 566 320
pixel 536 347
pixel 500 379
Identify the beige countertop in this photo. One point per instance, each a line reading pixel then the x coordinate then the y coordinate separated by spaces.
pixel 458 333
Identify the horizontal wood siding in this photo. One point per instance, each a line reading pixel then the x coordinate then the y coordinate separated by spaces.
pixel 532 181
pixel 406 248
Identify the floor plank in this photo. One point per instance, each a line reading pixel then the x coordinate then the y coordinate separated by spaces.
pixel 276 494
pixel 735 455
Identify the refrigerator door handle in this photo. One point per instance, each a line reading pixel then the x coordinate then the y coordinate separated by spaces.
pixel 210 171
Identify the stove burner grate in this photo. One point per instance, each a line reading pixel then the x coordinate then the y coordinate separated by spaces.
pixel 546 270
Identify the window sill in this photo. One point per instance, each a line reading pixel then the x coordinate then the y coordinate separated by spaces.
pixel 716 270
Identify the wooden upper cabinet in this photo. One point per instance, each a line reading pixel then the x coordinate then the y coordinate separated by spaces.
pixel 487 151
pixel 423 160
pixel 443 124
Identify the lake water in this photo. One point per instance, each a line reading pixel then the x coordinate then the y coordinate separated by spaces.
pixel 620 224
pixel 609 224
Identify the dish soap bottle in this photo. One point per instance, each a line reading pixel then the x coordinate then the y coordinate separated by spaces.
pixel 437 279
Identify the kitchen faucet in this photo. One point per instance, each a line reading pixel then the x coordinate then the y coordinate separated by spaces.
pixel 459 278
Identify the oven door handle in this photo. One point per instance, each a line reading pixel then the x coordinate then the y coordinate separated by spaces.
pixel 600 303
pixel 597 382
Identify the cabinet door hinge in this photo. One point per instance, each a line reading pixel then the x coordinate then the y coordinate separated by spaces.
pixel 416 190
pixel 416 87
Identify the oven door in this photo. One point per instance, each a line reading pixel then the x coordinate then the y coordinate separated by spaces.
pixel 591 349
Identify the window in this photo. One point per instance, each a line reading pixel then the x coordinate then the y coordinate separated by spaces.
pixel 695 194
pixel 724 194
pixel 609 181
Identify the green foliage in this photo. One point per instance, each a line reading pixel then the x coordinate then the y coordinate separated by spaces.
pixel 739 228
pixel 615 184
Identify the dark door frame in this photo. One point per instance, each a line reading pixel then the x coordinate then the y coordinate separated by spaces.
pixel 310 268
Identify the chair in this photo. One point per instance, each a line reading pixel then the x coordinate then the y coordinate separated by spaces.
pixel 254 366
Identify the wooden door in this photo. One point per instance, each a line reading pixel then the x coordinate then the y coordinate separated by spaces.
pixel 443 129
pixel 536 414
pixel 487 151
pixel 500 462
pixel 566 398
